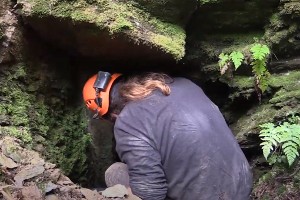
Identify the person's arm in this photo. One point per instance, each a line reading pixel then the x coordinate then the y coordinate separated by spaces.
pixel 146 175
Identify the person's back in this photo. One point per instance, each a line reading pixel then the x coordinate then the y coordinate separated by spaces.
pixel 180 147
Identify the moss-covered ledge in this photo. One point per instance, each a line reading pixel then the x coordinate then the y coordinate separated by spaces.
pixel 281 100
pixel 116 18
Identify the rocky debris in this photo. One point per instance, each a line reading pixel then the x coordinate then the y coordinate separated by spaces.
pixel 90 194
pixel 115 191
pixel 119 191
pixel 7 162
pixel 31 193
pixel 25 175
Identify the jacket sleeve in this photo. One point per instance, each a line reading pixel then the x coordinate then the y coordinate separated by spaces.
pixel 146 175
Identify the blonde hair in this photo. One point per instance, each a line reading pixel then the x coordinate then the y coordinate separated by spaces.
pixel 139 87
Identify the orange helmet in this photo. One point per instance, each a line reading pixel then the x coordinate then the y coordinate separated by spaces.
pixel 96 92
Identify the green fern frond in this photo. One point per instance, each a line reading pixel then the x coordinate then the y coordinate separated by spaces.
pixel 291 154
pixel 259 67
pixel 223 60
pixel 237 58
pixel 285 136
pixel 290 144
pixel 267 149
pixel 266 127
pixel 260 51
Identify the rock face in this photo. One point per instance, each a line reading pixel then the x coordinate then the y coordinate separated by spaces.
pixel 112 30
pixel 9 34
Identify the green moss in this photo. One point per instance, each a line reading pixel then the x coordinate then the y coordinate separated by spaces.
pixel 283 25
pixel 68 143
pixel 284 101
pixel 243 82
pixel 275 37
pixel 30 115
pixel 26 118
pixel 115 17
pixel 276 22
pixel 17 104
pixel 22 133
pixel 172 11
pixel 39 121
pixel 288 80
pixel 259 115
pixel 289 87
pixel 171 36
pixel 240 42
pixel 210 46
pixel 19 101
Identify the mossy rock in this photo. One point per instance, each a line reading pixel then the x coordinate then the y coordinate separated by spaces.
pixel 173 11
pixel 278 183
pixel 291 8
pixel 206 48
pixel 283 28
pixel 221 27
pixel 236 16
pixel 284 101
pixel 105 29
pixel 37 121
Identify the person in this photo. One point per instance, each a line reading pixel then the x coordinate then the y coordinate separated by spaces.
pixel 172 138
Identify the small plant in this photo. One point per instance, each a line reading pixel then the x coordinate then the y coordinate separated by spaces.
pixel 236 58
pixel 281 142
pixel 22 133
pixel 258 57
pixel 260 54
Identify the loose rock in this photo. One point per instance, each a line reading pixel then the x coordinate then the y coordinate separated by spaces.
pixel 115 191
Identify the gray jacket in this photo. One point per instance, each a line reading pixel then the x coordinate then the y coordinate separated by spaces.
pixel 179 147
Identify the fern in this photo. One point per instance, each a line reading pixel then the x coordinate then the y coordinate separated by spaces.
pixel 224 62
pixel 285 137
pixel 260 51
pixel 237 58
pixel 260 54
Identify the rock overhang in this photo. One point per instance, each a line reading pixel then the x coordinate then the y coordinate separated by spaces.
pixel 109 30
